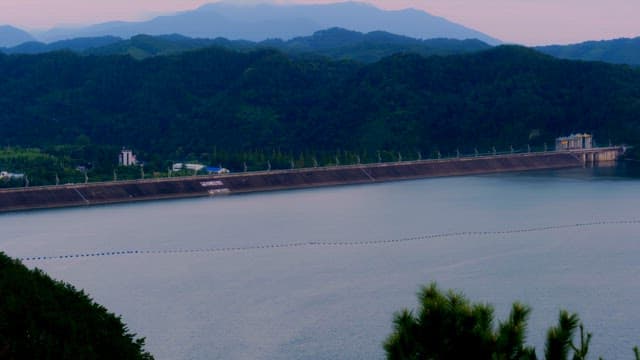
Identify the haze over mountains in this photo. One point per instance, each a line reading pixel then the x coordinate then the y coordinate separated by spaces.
pixel 12 36
pixel 293 28
pixel 618 51
pixel 265 21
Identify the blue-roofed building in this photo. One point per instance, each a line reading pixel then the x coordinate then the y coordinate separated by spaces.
pixel 216 170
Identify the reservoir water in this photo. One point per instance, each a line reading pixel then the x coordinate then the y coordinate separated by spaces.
pixel 318 274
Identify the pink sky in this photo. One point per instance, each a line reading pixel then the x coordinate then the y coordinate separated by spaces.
pixel 530 22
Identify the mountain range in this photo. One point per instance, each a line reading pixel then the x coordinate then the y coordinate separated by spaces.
pixel 290 28
pixel 77 45
pixel 265 21
pixel 618 51
pixel 335 43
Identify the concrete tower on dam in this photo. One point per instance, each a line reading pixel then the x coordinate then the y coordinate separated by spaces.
pixel 574 141
pixel 582 146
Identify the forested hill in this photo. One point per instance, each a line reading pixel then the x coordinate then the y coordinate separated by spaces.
pixel 617 51
pixel 214 98
pixel 11 36
pixel 47 319
pixel 335 43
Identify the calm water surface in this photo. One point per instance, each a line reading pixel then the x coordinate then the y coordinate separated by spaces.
pixel 316 301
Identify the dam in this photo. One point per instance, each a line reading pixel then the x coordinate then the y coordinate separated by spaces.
pixel 73 195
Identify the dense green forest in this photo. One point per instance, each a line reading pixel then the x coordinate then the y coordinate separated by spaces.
pixel 44 319
pixel 220 106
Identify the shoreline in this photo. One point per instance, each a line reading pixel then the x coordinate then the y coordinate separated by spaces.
pixel 102 193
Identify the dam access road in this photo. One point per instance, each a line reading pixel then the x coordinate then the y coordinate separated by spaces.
pixel 72 195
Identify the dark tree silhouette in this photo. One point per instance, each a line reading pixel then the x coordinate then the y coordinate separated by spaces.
pixel 45 319
pixel 448 326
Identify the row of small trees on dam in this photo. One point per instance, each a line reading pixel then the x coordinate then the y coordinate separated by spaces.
pixel 90 162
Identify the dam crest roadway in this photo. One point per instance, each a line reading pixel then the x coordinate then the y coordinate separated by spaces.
pixel 100 193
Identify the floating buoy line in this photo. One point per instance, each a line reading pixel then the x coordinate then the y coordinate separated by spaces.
pixel 329 243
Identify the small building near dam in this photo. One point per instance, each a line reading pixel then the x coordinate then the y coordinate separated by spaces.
pixel 127 158
pixel 5 175
pixel 574 142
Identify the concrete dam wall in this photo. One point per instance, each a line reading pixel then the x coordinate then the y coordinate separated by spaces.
pixel 184 187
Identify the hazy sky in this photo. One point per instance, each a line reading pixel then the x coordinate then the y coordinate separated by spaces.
pixel 528 22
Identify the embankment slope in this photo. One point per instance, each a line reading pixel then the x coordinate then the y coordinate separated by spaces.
pixel 156 189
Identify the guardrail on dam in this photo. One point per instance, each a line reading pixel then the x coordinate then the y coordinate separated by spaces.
pixel 198 186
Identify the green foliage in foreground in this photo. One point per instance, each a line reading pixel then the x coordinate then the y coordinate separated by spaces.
pixel 44 319
pixel 448 326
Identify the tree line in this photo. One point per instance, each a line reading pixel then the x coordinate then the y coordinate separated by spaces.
pixel 41 318
pixel 220 106
pixel 447 325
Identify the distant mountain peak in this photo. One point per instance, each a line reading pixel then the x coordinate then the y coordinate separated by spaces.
pixel 337 31
pixel 267 3
pixel 259 20
pixel 12 36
